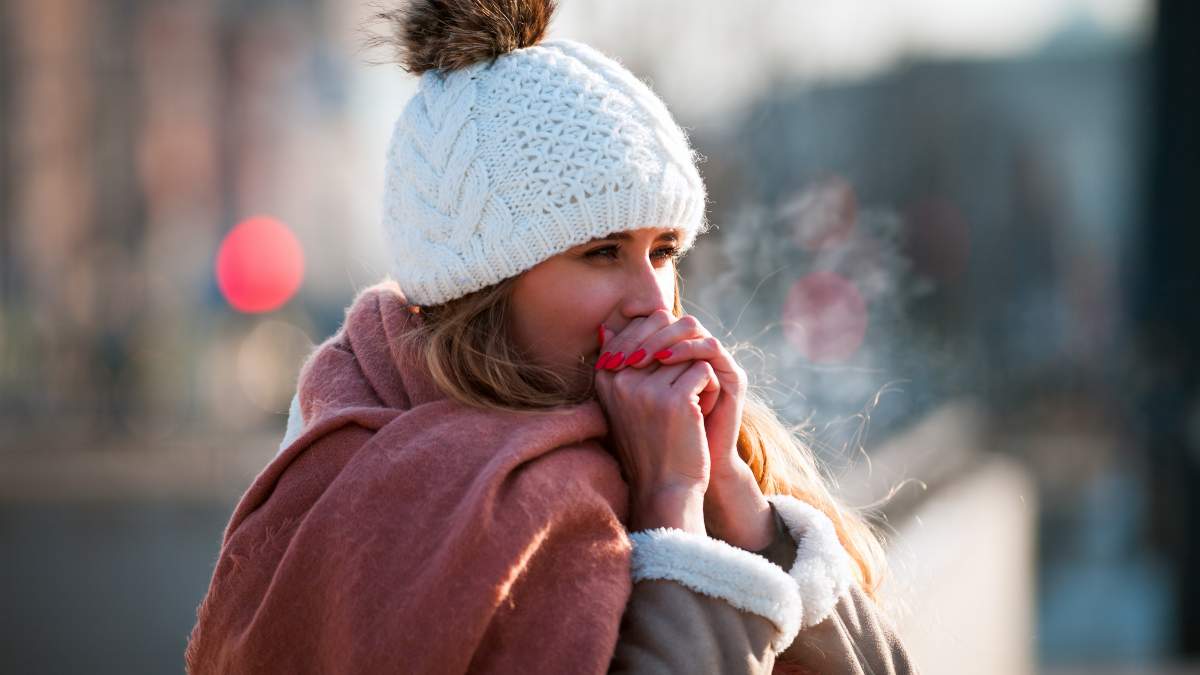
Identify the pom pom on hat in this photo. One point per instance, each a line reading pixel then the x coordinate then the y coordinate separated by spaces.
pixel 453 34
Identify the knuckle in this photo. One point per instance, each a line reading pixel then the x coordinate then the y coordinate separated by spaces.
pixel 660 317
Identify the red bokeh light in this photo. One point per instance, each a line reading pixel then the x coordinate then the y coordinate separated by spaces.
pixel 825 317
pixel 259 265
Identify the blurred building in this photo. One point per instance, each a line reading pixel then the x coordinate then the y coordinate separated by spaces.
pixel 136 135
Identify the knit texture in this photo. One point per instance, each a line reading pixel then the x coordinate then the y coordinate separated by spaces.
pixel 497 166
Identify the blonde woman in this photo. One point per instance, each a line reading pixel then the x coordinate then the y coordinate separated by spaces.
pixel 518 454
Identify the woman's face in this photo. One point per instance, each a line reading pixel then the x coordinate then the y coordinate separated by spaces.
pixel 558 303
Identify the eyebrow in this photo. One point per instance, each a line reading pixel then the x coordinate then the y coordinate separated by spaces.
pixel 669 235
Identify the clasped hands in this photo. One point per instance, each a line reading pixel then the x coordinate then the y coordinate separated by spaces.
pixel 674 398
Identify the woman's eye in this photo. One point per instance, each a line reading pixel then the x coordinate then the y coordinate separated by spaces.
pixel 611 252
pixel 606 252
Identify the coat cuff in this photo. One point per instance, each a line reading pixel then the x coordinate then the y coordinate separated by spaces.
pixel 823 571
pixel 710 566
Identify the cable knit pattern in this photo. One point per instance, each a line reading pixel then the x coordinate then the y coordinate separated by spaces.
pixel 823 570
pixel 495 167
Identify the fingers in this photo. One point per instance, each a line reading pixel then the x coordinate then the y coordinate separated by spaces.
pixel 619 347
pixel 631 384
pixel 687 340
pixel 709 349
pixel 701 346
pixel 675 377
pixel 669 385
pixel 653 344
pixel 696 380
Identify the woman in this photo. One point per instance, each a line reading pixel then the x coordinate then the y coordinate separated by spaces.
pixel 520 455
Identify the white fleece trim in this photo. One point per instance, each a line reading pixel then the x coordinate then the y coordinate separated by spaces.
pixel 823 570
pixel 295 424
pixel 710 566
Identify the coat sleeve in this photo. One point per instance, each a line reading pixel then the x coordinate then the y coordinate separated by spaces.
pixel 699 605
pixel 823 623
pixel 855 637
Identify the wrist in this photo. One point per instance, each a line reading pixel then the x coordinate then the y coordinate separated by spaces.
pixel 737 512
pixel 676 506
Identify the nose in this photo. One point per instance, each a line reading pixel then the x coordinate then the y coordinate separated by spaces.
pixel 646 289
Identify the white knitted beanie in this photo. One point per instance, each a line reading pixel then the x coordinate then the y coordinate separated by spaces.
pixel 515 149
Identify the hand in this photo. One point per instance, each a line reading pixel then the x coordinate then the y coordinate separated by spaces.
pixel 657 426
pixel 734 506
pixel 687 340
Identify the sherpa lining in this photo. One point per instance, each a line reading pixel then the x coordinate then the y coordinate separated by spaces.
pixel 801 597
pixel 823 570
pixel 710 566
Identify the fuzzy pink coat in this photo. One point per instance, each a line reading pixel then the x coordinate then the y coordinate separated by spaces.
pixel 405 532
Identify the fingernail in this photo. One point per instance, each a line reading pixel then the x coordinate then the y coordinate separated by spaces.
pixel 666 353
pixel 635 357
pixel 600 361
pixel 600 332
pixel 615 362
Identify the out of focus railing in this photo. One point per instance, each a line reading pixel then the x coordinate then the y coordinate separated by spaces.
pixel 962 589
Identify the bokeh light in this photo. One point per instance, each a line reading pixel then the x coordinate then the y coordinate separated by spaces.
pixel 825 317
pixel 268 361
pixel 260 265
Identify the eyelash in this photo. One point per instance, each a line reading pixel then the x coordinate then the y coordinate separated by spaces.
pixel 671 252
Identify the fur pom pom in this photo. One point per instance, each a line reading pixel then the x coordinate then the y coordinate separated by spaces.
pixel 453 34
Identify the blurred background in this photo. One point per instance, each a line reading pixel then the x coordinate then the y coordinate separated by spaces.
pixel 953 237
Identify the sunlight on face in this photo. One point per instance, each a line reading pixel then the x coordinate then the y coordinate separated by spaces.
pixel 558 303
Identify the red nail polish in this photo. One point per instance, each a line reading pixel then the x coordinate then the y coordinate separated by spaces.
pixel 666 353
pixel 635 357
pixel 600 333
pixel 615 361
pixel 600 361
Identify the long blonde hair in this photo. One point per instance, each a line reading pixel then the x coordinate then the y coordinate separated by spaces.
pixel 467 350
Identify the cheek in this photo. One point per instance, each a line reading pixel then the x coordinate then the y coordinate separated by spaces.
pixel 557 318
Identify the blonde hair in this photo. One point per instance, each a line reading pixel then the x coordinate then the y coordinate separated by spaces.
pixel 466 348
